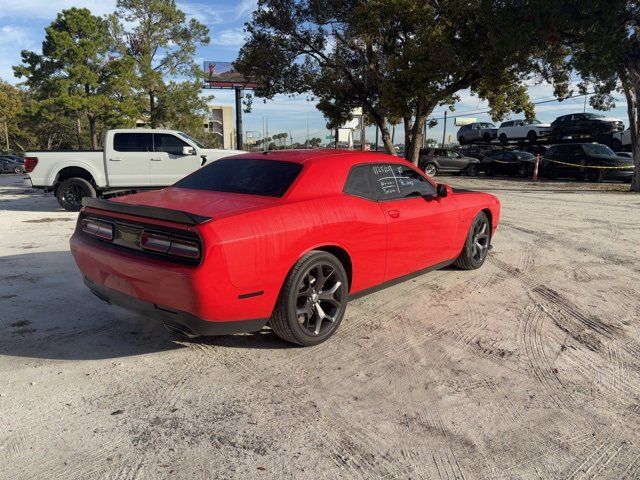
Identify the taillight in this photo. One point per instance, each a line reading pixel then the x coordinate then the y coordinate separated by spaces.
pixel 170 245
pixel 30 163
pixel 97 228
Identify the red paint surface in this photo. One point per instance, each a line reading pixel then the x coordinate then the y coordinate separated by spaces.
pixel 252 242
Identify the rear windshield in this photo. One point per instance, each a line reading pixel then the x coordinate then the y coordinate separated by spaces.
pixel 271 178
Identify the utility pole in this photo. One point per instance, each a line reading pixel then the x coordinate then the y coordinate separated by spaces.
pixel 6 134
pixel 376 137
pixel 307 144
pixel 336 139
pixel 584 110
pixel 362 133
pixel 444 133
pixel 239 143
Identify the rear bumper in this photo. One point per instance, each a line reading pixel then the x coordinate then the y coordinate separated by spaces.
pixel 175 320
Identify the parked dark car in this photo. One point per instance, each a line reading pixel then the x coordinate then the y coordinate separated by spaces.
pixel 446 160
pixel 11 164
pixel 584 124
pixel 513 163
pixel 577 160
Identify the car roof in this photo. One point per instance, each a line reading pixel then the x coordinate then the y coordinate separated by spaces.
pixel 350 157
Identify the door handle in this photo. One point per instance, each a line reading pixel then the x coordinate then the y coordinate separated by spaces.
pixel 393 213
pixel 156 159
pixel 115 159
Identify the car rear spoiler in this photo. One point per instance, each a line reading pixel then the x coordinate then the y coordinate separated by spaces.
pixel 177 216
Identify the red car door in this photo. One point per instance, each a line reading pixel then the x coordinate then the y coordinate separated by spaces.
pixel 420 226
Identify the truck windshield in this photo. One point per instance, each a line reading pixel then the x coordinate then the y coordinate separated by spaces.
pixel 189 137
pixel 270 178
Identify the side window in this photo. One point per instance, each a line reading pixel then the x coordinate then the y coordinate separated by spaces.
pixel 394 181
pixel 165 142
pixel 358 182
pixel 132 142
pixel 453 154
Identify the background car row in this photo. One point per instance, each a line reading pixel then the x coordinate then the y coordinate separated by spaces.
pixel 581 161
pixel 576 125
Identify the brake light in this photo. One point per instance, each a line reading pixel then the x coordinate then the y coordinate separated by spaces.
pixel 170 245
pixel 30 163
pixel 97 228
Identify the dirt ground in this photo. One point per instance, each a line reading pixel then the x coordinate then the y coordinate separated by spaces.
pixel 527 368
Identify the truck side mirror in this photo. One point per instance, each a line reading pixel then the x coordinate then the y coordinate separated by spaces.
pixel 188 151
pixel 441 190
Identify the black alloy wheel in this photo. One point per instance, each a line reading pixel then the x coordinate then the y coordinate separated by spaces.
pixel 313 300
pixel 532 136
pixel 473 170
pixel 71 192
pixel 477 244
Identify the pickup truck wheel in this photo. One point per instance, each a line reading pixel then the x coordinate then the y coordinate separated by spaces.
pixel 71 191
pixel 312 301
pixel 532 136
pixel 473 170
pixel 477 244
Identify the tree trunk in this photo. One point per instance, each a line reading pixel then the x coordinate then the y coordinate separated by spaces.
pixel 382 123
pixel 630 78
pixel 93 134
pixel 79 131
pixel 152 110
pixel 423 110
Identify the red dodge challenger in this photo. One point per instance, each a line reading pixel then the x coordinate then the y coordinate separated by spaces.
pixel 281 238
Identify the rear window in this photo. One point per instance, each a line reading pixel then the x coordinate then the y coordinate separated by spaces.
pixel 270 178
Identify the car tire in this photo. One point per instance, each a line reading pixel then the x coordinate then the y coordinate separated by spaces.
pixel 525 171
pixel 532 136
pixel 473 170
pixel 616 145
pixel 430 170
pixel 503 139
pixel 71 191
pixel 18 170
pixel 304 314
pixel 595 175
pixel 477 245
pixel 462 141
pixel 551 172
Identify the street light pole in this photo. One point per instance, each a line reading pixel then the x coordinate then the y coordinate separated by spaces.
pixel 444 132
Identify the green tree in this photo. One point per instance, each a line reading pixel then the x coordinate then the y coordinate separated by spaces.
pixel 157 36
pixel 600 40
pixel 10 108
pixel 394 58
pixel 76 75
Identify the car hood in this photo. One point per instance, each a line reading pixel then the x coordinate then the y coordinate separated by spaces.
pixel 608 119
pixel 219 151
pixel 622 161
pixel 199 202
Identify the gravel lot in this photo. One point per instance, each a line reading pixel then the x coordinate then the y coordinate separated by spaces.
pixel 526 368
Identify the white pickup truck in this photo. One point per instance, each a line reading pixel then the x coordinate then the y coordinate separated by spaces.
pixel 132 160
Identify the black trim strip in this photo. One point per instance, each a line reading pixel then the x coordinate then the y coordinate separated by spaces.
pixel 251 294
pixel 401 279
pixel 177 216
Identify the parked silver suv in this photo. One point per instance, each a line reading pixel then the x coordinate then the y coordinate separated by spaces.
pixel 445 160
pixel 477 132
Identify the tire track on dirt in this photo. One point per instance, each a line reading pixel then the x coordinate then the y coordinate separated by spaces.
pixel 532 343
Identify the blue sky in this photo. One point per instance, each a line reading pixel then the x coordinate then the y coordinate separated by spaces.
pixel 22 24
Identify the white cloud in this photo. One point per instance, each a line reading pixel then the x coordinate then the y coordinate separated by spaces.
pixel 233 37
pixel 245 7
pixel 201 12
pixel 47 9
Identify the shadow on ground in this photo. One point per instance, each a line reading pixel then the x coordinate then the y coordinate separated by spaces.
pixel 47 312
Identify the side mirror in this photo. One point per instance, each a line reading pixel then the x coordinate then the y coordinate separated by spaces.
pixel 188 151
pixel 441 190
